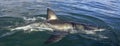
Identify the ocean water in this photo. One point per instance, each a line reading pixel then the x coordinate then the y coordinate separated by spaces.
pixel 102 13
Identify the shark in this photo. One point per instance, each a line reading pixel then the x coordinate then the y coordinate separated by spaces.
pixel 59 28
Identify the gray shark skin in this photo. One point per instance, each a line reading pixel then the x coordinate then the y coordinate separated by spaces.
pixel 60 28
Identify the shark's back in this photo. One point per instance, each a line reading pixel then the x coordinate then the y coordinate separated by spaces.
pixel 60 25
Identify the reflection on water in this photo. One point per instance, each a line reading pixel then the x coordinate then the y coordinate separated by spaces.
pixel 95 12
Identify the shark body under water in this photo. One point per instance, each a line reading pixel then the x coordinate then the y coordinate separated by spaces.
pixel 59 28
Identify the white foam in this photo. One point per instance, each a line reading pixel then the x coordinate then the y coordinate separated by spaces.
pixel 33 27
pixel 32 19
pixel 22 28
pixel 102 36
pixel 92 34
pixel 93 31
pixel 29 19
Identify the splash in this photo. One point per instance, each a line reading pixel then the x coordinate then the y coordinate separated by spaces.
pixel 93 34
pixel 33 27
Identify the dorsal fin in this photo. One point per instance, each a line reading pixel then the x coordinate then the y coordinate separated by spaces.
pixel 51 15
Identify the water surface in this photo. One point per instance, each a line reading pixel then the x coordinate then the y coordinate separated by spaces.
pixel 101 13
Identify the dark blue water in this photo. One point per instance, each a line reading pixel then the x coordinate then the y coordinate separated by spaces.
pixel 103 13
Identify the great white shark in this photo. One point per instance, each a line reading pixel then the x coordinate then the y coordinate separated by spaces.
pixel 59 28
